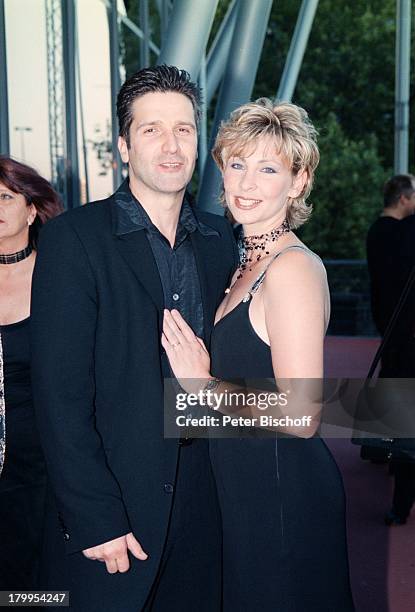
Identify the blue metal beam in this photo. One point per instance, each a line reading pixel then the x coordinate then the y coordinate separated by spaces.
pixel 238 82
pixel 297 49
pixel 144 42
pixel 202 144
pixel 72 165
pixel 219 51
pixel 115 87
pixel 4 104
pixel 402 84
pixel 164 10
pixel 81 113
pixel 187 35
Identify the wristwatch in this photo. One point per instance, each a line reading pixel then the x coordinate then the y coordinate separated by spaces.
pixel 211 385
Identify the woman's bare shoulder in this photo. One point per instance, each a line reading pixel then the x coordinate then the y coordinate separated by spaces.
pixel 295 263
pixel 296 286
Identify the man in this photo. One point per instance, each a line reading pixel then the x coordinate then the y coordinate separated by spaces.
pixel 391 257
pixel 389 253
pixel 142 505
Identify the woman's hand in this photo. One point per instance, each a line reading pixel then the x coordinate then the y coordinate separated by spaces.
pixel 188 357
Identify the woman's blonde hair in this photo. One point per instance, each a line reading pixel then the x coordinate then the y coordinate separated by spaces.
pixel 295 139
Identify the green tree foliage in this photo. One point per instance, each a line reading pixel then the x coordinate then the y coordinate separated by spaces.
pixel 347 193
pixel 346 84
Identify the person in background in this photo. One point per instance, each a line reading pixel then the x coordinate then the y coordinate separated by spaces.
pixel 27 201
pixel 390 258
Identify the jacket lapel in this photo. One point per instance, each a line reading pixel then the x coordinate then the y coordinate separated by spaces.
pixel 136 251
pixel 131 241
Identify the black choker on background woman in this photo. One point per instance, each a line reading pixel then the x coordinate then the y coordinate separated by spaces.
pixel 249 244
pixel 15 257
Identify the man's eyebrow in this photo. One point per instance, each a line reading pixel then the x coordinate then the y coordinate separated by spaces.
pixel 146 123
pixel 143 123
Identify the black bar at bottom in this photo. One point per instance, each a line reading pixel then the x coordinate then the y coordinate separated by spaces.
pixel 16 599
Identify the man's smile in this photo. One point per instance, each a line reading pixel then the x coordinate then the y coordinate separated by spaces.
pixel 171 166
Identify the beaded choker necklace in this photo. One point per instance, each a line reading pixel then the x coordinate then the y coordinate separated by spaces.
pixel 253 248
pixel 16 257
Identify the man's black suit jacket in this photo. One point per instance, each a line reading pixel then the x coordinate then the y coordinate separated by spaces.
pixel 97 311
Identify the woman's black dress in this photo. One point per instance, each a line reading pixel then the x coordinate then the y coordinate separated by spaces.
pixel 282 501
pixel 23 479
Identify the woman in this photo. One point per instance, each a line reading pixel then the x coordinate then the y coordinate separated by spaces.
pixel 26 202
pixel 281 498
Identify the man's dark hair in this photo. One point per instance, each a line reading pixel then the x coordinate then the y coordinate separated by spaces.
pixel 155 79
pixel 401 184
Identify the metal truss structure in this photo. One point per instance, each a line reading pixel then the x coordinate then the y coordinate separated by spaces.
pixel 4 109
pixel 402 71
pixel 56 105
pixel 228 68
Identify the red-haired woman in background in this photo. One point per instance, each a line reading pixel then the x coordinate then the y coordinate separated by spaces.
pixel 27 201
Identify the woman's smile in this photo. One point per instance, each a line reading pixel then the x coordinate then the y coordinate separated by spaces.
pixel 246 203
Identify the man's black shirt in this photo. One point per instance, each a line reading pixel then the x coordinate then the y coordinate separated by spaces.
pixel 390 258
pixel 177 265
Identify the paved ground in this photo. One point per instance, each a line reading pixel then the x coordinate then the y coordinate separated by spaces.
pixel 382 559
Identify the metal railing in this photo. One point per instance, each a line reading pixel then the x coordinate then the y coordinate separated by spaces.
pixel 350 298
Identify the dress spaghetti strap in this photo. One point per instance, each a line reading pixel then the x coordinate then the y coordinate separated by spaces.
pixel 258 282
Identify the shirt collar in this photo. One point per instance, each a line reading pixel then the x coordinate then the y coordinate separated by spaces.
pixel 130 216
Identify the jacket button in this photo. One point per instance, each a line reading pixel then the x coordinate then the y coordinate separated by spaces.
pixel 66 536
pixel 168 488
